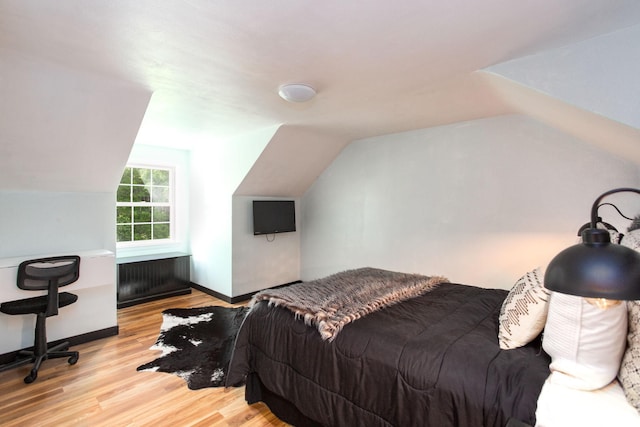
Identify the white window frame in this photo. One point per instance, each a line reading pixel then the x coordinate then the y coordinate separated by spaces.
pixel 171 204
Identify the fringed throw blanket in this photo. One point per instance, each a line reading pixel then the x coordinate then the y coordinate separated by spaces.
pixel 334 301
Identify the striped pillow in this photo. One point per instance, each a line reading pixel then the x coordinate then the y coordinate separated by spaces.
pixel 524 311
pixel 629 375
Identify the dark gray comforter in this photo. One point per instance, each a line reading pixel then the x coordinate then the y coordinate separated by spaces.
pixel 432 360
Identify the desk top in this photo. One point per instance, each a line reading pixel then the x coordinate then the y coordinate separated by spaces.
pixel 15 261
pixel 97 268
pixel 150 257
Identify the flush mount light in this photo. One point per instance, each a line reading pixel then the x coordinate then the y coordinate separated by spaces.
pixel 296 92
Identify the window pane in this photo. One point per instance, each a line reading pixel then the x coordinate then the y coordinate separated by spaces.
pixel 124 193
pixel 142 232
pixel 126 176
pixel 124 215
pixel 141 214
pixel 160 194
pixel 161 231
pixel 123 233
pixel 136 219
pixel 160 177
pixel 161 214
pixel 141 194
pixel 141 176
pixel 145 176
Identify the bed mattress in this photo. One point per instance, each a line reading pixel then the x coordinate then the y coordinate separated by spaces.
pixel 432 360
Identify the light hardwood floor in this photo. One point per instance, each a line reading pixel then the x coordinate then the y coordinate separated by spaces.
pixel 104 388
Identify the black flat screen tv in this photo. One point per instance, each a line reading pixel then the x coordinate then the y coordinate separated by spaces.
pixel 273 216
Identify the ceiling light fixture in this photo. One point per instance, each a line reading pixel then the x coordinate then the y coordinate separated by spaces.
pixel 296 92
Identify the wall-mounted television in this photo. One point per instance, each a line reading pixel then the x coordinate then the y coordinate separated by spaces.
pixel 273 216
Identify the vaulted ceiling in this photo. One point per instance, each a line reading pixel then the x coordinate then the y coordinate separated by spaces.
pixel 81 80
pixel 214 67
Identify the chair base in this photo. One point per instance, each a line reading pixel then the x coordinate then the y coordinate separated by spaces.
pixel 55 352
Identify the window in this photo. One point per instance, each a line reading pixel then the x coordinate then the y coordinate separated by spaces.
pixel 144 205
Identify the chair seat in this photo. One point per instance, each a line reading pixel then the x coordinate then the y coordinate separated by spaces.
pixel 43 274
pixel 36 305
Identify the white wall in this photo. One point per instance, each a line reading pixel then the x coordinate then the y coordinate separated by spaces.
pixel 480 202
pixel 261 262
pixel 95 309
pixel 65 135
pixel 179 160
pixel 217 169
pixel 34 223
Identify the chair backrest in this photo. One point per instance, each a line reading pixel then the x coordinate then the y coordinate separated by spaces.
pixel 39 274
pixel 49 273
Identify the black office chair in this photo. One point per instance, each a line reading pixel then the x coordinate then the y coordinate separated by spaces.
pixel 43 274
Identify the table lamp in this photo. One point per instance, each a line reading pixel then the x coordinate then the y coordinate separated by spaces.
pixel 596 268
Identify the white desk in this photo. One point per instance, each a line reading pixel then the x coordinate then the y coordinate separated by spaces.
pixel 95 309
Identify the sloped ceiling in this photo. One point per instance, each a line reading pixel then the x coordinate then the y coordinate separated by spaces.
pixel 598 75
pixel 290 163
pixel 63 129
pixel 214 68
pixel 611 135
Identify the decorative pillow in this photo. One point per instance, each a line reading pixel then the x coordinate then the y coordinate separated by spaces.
pixel 524 311
pixel 632 239
pixel 586 343
pixel 635 223
pixel 629 374
pixel 614 235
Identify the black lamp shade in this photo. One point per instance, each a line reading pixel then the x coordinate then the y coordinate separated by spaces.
pixel 596 269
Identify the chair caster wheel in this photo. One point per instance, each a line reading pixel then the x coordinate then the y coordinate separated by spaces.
pixel 73 360
pixel 31 377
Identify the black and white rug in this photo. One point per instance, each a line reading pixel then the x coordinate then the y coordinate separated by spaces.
pixel 197 343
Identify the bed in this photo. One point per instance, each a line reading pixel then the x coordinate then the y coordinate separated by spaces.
pixel 429 359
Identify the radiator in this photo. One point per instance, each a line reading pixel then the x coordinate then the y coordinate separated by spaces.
pixel 146 278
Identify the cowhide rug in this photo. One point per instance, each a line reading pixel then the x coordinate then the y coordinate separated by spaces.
pixel 196 344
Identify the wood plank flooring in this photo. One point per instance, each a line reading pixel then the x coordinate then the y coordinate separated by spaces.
pixel 104 388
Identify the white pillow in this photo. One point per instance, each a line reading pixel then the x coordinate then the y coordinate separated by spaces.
pixel 524 311
pixel 585 342
pixel 559 405
pixel 629 374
